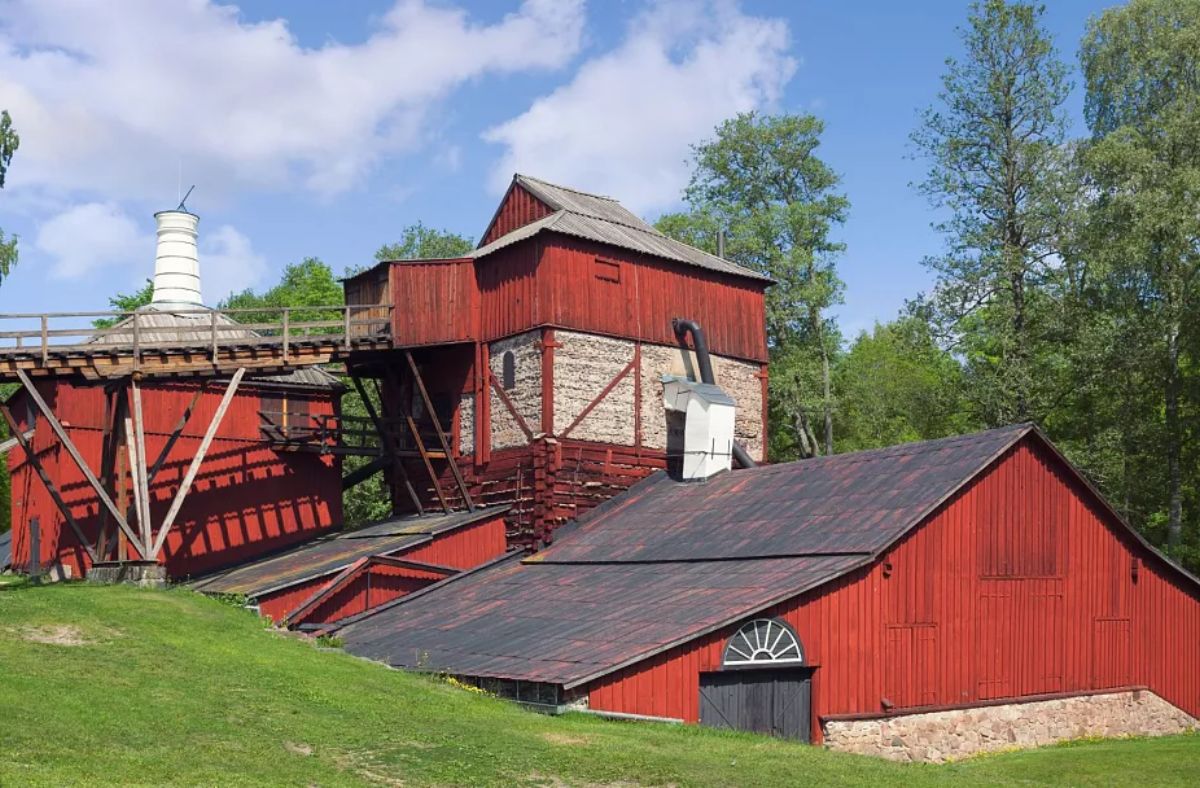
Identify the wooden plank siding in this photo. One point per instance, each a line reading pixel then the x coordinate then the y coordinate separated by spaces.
pixel 1019 585
pixel 248 499
pixel 462 548
pixel 553 280
pixel 517 209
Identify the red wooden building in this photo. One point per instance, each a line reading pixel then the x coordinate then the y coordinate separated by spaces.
pixel 250 496
pixel 543 352
pixel 803 599
pixel 136 447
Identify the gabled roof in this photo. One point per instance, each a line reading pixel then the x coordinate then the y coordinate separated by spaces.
pixel 602 219
pixel 331 554
pixel 667 562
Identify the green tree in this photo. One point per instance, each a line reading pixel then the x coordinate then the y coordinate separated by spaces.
pixel 1141 63
pixel 9 142
pixel 126 304
pixel 895 385
pixel 761 182
pixel 304 287
pixel 419 242
pixel 999 170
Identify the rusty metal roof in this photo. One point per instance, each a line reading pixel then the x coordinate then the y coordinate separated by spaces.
pixel 565 624
pixel 847 503
pixel 604 220
pixel 667 562
pixel 331 554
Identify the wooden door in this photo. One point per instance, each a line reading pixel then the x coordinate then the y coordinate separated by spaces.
pixel 774 701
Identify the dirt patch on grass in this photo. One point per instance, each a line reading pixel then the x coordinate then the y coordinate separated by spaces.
pixel 566 740
pixel 55 635
pixel 553 781
pixel 298 749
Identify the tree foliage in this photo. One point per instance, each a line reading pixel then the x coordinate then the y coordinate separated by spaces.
pixel 126 304
pixel 1141 63
pixel 418 242
pixel 761 182
pixel 998 169
pixel 9 142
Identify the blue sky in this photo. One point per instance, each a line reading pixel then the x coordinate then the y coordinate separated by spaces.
pixel 314 128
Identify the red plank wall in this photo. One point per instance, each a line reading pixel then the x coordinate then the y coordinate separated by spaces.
pixel 518 209
pixel 463 548
pixel 1019 585
pixel 246 501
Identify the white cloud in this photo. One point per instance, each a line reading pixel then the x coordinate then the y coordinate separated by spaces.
pixel 91 236
pixel 624 124
pixel 228 264
pixel 109 97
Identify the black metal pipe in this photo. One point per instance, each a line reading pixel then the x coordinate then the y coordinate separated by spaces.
pixel 704 367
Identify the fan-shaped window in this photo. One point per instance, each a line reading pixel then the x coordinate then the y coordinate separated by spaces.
pixel 508 375
pixel 764 641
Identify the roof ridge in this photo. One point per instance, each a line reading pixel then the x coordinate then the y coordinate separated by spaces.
pixel 573 190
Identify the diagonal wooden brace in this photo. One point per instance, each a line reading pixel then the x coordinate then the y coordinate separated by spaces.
pixel 52 420
pixel 194 468
pixel 22 438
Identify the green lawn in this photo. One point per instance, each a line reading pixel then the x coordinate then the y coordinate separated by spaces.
pixel 169 687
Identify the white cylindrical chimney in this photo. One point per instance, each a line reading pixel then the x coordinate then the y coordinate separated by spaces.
pixel 176 261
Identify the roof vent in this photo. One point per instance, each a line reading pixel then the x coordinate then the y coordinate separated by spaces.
pixel 699 428
pixel 176 261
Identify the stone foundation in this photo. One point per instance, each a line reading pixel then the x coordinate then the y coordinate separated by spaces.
pixel 941 736
pixel 147 574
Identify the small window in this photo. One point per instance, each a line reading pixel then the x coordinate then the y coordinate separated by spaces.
pixel 508 375
pixel 608 271
pixel 764 641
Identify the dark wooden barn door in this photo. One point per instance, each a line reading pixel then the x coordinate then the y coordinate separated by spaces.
pixel 772 701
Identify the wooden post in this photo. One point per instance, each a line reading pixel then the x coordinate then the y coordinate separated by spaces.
pixel 286 321
pixel 108 436
pixel 52 420
pixel 45 340
pixel 437 425
pixel 136 482
pixel 143 476
pixel 389 441
pixel 213 328
pixel 198 458
pixel 35 549
pixel 483 408
pixel 548 346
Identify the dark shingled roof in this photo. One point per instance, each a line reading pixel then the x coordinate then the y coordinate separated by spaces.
pixel 333 553
pixel 602 219
pixel 668 562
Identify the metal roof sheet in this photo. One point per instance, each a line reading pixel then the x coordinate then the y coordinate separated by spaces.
pixel 847 503
pixel 565 624
pixel 330 554
pixel 597 218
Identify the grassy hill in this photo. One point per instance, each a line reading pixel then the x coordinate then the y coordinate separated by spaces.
pixel 120 685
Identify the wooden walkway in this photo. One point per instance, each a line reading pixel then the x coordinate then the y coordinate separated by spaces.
pixel 187 343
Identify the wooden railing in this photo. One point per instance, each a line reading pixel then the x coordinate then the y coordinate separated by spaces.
pixel 41 334
pixel 355 435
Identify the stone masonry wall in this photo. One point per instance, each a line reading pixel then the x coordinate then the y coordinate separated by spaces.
pixel 466 424
pixel 583 366
pixel 525 395
pixel 941 736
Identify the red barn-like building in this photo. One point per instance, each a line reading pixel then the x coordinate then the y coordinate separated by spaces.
pixel 922 601
pixel 248 497
pixel 544 349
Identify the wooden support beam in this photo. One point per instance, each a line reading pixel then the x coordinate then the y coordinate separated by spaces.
pixel 32 458
pixel 512 409
pixel 612 384
pixel 143 476
pixel 420 444
pixel 390 442
pixel 11 443
pixel 107 442
pixel 69 445
pixel 197 459
pixel 131 449
pixel 360 475
pixel 441 434
pixel 175 433
pixel 548 346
